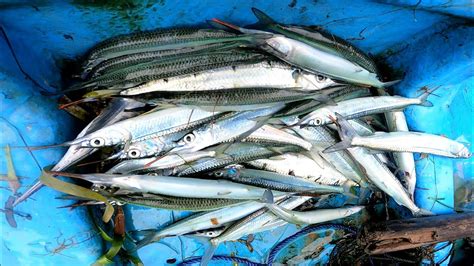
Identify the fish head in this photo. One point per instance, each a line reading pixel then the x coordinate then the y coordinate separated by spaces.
pixel 141 149
pixel 228 172
pixel 195 140
pixel 102 138
pixel 278 44
pixel 316 81
pixel 318 117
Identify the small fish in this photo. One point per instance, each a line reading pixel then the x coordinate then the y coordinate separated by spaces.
pixel 312 59
pixel 172 186
pixel 360 107
pixel 377 172
pixel 309 217
pixel 405 142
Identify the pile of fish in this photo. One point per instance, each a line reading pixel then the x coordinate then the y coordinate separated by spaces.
pixel 243 126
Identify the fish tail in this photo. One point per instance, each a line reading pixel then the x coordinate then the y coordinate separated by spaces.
pixel 346 132
pixel 254 37
pixel 32 190
pixel 423 212
pixel 150 237
pixel 263 18
pixel 390 83
pixel 424 97
pixel 208 254
pixel 267 197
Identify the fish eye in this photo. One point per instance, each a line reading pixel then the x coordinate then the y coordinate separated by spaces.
pixel 232 171
pixel 219 174
pixel 97 142
pixel 133 153
pixel 189 138
pixel 317 121
pixel 321 78
pixel 102 187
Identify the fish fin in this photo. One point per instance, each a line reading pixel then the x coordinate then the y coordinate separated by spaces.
pixel 263 18
pixel 424 96
pixel 267 197
pixel 221 26
pixel 316 157
pixel 344 128
pixel 345 144
pixel 423 212
pixel 208 254
pixel 349 191
pixel 32 190
pixel 390 83
pixel 256 37
pixel 324 98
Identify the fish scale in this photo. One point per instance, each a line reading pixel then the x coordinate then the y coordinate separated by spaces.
pixel 170 67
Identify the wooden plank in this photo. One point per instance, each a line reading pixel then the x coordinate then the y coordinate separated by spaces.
pixel 405 234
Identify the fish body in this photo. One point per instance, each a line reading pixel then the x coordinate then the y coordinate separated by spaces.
pixel 313 217
pixel 235 77
pixel 241 99
pixel 273 136
pixel 412 142
pixel 129 60
pixel 225 128
pixel 157 124
pixel 321 138
pixel 177 203
pixel 299 165
pixel 376 171
pixel 318 38
pixel 236 153
pixel 155 41
pixel 213 219
pixel 360 107
pixel 174 186
pixel 396 121
pixel 157 163
pixel 256 222
pixel 274 181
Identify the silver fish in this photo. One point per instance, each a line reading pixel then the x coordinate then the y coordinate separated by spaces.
pixel 313 59
pixel 377 172
pixel 163 162
pixel 236 153
pixel 157 123
pixel 173 186
pixel 254 223
pixel 113 113
pixel 234 77
pixel 274 181
pixel 271 135
pixel 213 219
pixel 299 165
pixel 360 107
pixel 225 128
pixel 406 142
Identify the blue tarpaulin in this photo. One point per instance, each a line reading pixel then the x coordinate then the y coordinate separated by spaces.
pixel 428 43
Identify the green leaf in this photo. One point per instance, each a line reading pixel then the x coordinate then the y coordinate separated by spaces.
pixel 11 175
pixel 78 191
pixel 108 257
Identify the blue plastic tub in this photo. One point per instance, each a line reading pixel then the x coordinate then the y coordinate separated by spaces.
pixel 429 42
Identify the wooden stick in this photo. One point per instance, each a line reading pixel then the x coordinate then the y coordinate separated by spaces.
pixel 405 234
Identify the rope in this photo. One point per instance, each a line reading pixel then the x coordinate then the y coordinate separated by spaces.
pixel 275 250
pixel 222 258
